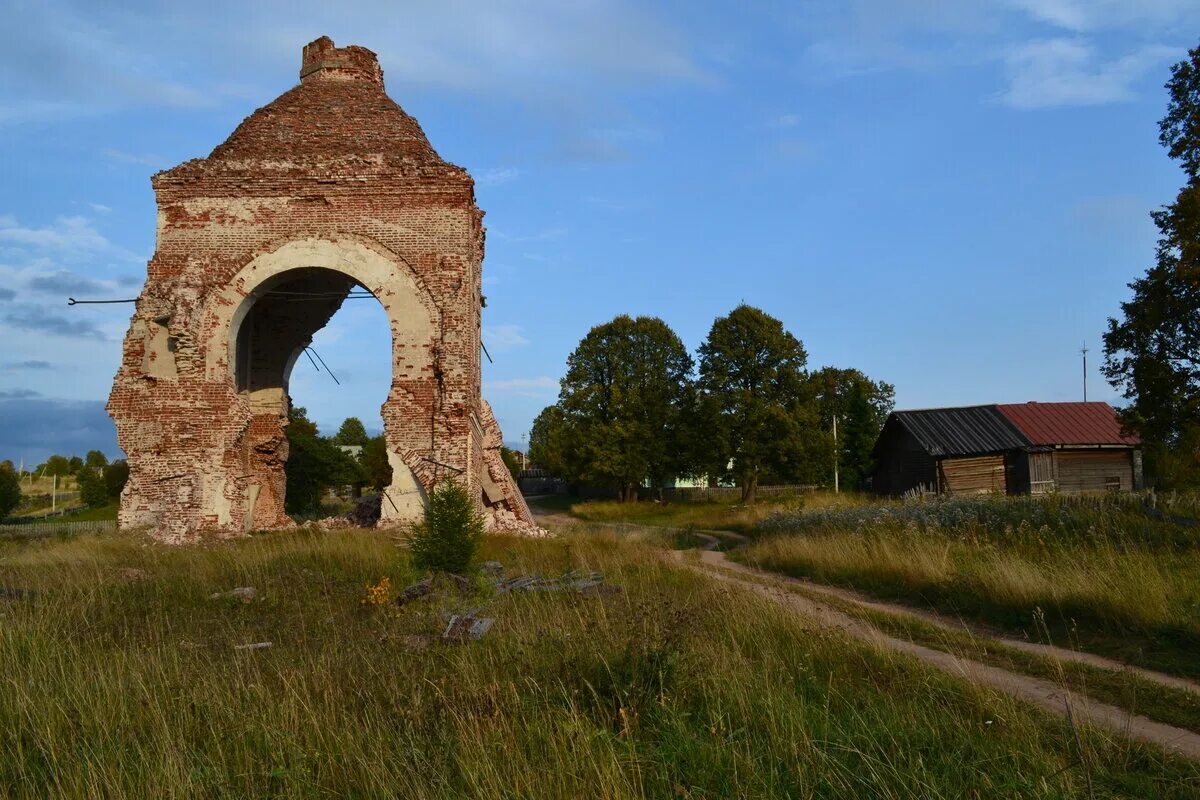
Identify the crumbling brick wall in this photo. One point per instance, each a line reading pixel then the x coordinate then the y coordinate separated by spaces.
pixel 330 188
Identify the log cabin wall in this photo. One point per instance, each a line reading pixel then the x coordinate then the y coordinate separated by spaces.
pixel 1091 471
pixel 973 475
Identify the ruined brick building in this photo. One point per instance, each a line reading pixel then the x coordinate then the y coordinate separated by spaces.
pixel 331 187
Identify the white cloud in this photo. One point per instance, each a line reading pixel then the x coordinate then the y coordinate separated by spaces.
pixel 100 208
pixel 73 234
pixel 523 387
pixel 133 158
pixel 85 58
pixel 496 176
pixel 1091 15
pixel 503 337
pixel 544 235
pixel 1070 72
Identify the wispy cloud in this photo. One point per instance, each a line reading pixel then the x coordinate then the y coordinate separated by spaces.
pixel 523 387
pixel 68 237
pixel 18 394
pixel 503 337
pixel 1092 15
pixel 39 320
pixel 544 235
pixel 63 282
pixel 1070 72
pixel 7 294
pixel 496 176
pixel 31 364
pixel 142 159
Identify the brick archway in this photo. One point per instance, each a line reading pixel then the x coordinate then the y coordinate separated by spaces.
pixel 334 186
pixel 258 325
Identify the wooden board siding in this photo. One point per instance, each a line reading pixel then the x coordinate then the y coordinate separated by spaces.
pixel 976 475
pixel 1094 471
pixel 1041 473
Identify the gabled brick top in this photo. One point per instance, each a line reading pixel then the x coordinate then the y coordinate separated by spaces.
pixel 338 120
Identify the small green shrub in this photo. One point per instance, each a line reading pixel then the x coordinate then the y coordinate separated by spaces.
pixel 449 538
pixel 92 490
pixel 10 490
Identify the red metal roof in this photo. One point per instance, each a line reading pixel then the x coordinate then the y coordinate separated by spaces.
pixel 1067 423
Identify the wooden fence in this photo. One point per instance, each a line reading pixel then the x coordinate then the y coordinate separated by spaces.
pixel 36 530
pixel 704 494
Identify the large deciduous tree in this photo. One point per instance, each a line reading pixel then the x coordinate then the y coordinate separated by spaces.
pixel 623 403
pixel 352 432
pixel 754 392
pixel 1152 354
pixel 314 464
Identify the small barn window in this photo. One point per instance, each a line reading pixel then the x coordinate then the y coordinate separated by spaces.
pixel 1112 484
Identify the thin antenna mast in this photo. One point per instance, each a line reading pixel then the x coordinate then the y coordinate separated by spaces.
pixel 1084 351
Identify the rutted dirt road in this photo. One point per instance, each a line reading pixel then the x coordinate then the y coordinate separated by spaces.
pixel 1040 692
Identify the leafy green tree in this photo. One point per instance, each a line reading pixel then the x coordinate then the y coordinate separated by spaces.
pixel 75 464
pixel 92 490
pixel 374 464
pixel 314 465
pixel 1152 354
pixel 449 538
pixel 10 490
pixel 753 395
pixel 352 432
pixel 116 475
pixel 57 465
pixel 861 406
pixel 623 399
pixel 96 460
pixel 549 444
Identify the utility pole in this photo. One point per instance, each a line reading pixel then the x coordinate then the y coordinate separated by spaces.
pixel 836 488
pixel 54 495
pixel 1084 351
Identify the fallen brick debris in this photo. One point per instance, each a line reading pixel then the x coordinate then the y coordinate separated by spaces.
pixel 243 593
pixel 582 581
pixel 434 586
pixel 462 627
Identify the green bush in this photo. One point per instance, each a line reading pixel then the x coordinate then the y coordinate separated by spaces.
pixel 10 490
pixel 449 538
pixel 92 490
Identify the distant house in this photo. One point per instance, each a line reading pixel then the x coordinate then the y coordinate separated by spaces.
pixel 1027 448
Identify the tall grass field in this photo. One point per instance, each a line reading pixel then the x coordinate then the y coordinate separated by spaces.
pixel 121 677
pixel 1116 575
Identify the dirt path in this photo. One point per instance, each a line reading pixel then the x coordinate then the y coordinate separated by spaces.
pixel 953 624
pixel 1034 690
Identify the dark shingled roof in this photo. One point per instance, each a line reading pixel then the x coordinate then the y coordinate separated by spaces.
pixel 961 431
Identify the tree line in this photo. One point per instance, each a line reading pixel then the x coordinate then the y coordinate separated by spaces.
pixel 99 481
pixel 635 409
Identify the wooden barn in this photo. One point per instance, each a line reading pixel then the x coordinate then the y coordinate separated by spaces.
pixel 1029 448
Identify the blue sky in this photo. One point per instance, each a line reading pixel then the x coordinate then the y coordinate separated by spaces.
pixel 950 196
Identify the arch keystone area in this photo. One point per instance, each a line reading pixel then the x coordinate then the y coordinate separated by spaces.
pixel 329 189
